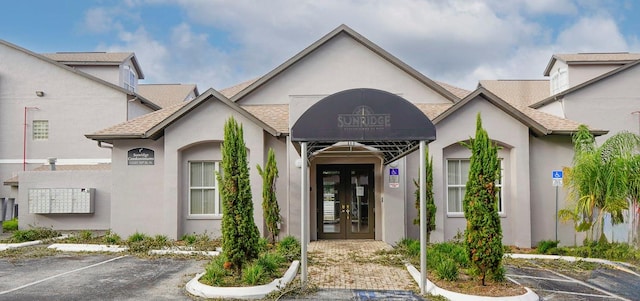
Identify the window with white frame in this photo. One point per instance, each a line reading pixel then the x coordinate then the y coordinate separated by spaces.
pixel 129 78
pixel 559 81
pixel 204 194
pixel 40 129
pixel 457 176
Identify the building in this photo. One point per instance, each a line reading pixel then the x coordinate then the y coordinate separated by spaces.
pixel 163 162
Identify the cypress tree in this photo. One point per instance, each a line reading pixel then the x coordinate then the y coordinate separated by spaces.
pixel 270 207
pixel 239 232
pixel 430 204
pixel 483 236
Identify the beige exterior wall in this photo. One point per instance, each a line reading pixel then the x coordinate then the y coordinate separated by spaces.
pixel 513 137
pixel 138 200
pixel 551 153
pixel 581 73
pixel 73 105
pixel 607 104
pixel 99 180
pixel 339 65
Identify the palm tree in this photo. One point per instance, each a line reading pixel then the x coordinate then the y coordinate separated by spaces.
pixel 599 180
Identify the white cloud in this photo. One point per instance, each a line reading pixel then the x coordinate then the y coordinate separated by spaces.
pixel 595 34
pixel 459 42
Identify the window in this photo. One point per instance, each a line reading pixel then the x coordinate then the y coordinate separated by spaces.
pixel 559 81
pixel 129 78
pixel 40 129
pixel 457 176
pixel 204 196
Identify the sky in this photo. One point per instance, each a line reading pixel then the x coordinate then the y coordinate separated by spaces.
pixel 219 43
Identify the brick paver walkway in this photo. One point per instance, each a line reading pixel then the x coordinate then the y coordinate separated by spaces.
pixel 354 264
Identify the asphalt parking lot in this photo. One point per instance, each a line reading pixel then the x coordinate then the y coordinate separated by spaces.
pixel 96 277
pixel 601 283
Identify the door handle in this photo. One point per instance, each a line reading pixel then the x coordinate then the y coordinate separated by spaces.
pixel 348 212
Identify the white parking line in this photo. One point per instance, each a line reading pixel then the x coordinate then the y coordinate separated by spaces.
pixel 572 280
pixel 61 274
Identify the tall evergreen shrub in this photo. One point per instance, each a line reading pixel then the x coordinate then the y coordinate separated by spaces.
pixel 430 204
pixel 483 236
pixel 239 232
pixel 270 208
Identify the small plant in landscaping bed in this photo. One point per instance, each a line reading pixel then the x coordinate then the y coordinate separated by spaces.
pixel 189 239
pixel 140 242
pixel 111 238
pixel 544 246
pixel 253 274
pixel 10 225
pixel 289 247
pixel 447 269
pixel 36 233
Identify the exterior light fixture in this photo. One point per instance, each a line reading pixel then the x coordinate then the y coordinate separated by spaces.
pixel 39 93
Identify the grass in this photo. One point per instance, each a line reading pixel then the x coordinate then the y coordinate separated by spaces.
pixel 604 250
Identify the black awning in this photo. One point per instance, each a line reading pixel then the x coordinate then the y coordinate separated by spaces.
pixel 370 117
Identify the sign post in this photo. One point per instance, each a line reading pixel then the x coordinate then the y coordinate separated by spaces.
pixel 556 177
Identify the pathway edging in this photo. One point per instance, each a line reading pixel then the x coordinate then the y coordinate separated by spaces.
pixel 195 287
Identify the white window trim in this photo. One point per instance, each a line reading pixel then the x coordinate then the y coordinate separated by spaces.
pixel 501 213
pixel 217 200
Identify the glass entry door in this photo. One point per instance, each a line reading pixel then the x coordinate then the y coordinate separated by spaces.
pixel 346 197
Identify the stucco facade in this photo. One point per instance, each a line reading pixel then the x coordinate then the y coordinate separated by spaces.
pixel 347 180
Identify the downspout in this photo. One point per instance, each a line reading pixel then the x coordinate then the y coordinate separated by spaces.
pixel 109 146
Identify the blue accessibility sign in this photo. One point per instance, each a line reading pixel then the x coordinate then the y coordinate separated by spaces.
pixel 556 174
pixel 393 172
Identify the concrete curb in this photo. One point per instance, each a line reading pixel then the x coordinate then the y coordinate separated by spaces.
pixel 87 248
pixel 28 243
pixel 453 296
pixel 251 292
pixel 618 265
pixel 19 245
pixel 117 248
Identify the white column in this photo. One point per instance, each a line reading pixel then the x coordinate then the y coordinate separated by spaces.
pixel 423 220
pixel 304 204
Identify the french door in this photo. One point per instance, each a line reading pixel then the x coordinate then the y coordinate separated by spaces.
pixel 346 197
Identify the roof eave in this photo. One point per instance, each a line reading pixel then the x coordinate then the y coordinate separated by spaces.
pixel 106 138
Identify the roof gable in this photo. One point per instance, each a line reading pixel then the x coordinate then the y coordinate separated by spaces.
pixel 80 73
pixel 343 29
pixel 584 84
pixel 540 123
pixel 167 95
pixel 608 58
pixel 96 59
pixel 152 125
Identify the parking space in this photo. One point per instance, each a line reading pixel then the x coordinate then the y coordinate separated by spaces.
pixel 96 277
pixel 599 284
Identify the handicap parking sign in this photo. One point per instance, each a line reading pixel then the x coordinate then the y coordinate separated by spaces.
pixel 556 174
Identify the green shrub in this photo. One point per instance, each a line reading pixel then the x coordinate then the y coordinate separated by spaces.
pixel 140 242
pixel 37 233
pixel 111 238
pixel 545 245
pixel 189 239
pixel 215 272
pixel 499 275
pixel 252 274
pixel 289 247
pixel 270 262
pixel 10 225
pixel 160 240
pixel 447 270
pixel 262 244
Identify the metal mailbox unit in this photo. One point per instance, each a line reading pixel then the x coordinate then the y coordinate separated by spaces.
pixel 61 200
